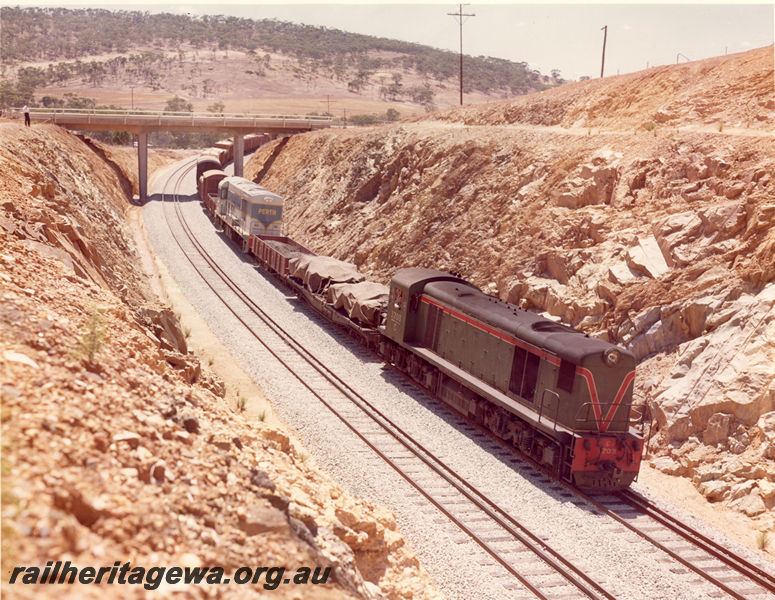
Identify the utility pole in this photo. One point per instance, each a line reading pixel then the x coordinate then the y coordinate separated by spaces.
pixel 604 29
pixel 328 103
pixel 460 14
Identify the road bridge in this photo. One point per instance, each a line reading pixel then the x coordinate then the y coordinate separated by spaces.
pixel 144 122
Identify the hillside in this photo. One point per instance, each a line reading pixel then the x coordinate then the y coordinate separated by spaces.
pixel 132 58
pixel 658 237
pixel 117 442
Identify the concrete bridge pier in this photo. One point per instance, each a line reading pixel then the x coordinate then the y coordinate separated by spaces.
pixel 239 154
pixel 142 164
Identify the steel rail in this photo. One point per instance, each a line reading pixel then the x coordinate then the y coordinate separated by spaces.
pixel 433 463
pixel 674 555
pixel 736 562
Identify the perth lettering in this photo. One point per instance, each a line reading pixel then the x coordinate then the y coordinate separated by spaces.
pixel 64 573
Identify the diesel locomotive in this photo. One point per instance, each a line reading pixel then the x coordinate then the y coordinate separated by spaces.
pixel 558 395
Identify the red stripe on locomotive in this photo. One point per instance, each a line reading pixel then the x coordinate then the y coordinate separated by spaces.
pixel 602 424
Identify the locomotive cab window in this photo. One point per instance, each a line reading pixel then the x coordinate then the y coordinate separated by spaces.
pixel 565 375
pixel 524 373
pixel 517 370
pixel 531 376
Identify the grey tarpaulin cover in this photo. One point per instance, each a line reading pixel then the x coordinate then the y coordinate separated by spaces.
pixel 362 301
pixel 317 272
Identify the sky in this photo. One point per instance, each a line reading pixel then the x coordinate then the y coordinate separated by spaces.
pixel 566 37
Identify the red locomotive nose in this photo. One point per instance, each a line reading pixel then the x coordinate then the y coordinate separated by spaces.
pixel 605 462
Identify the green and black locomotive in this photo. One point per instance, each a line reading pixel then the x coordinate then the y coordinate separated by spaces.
pixel 559 395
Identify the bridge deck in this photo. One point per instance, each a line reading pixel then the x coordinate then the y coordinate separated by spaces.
pixel 145 121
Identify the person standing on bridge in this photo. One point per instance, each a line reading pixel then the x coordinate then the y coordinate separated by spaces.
pixel 26 111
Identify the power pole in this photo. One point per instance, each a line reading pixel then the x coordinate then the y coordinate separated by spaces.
pixel 327 101
pixel 460 14
pixel 604 29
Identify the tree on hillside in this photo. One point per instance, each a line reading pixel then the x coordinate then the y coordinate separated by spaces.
pixel 178 104
pixel 360 81
pixel 217 108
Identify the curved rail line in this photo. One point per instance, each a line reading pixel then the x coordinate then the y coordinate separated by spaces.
pixel 569 572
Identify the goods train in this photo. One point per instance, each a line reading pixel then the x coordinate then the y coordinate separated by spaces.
pixel 558 395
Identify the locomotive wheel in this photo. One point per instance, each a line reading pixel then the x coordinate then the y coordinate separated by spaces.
pixel 495 421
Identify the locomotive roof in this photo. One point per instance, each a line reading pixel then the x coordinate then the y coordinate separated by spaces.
pixel 249 189
pixel 561 340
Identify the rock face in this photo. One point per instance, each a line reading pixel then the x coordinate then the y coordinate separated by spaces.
pixel 659 239
pixel 116 444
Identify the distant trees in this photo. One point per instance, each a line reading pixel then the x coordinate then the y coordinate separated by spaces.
pixel 14 94
pixel 394 90
pixel 39 34
pixel 217 107
pixel 178 104
pixel 359 82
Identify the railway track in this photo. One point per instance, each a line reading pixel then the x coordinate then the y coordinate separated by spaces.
pixel 533 566
pixel 683 545
pixel 733 575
